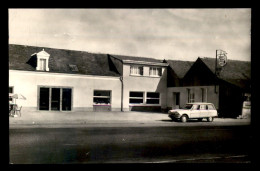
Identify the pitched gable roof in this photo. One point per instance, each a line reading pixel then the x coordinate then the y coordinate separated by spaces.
pixel 87 63
pixel 180 67
pixel 235 72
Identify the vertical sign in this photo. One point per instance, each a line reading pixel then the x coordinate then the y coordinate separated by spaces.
pixel 222 58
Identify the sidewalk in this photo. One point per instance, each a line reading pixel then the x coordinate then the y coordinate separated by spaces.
pixel 52 118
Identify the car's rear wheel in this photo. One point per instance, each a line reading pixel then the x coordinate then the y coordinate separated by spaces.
pixel 184 118
pixel 210 119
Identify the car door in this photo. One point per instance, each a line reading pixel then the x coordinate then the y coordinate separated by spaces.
pixel 203 111
pixel 195 112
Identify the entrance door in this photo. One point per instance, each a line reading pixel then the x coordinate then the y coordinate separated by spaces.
pixel 44 99
pixel 55 99
pixel 66 99
pixel 176 100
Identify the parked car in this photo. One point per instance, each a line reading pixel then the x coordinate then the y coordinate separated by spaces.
pixel 194 111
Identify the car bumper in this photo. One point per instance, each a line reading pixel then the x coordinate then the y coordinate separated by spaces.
pixel 174 115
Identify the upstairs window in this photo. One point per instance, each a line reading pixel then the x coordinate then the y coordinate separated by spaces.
pixel 73 67
pixel 155 71
pixel 136 70
pixel 42 61
pixel 42 65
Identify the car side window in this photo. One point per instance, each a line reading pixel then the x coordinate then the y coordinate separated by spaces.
pixel 203 107
pixel 196 107
pixel 210 107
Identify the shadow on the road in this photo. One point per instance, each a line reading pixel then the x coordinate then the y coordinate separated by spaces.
pixel 168 120
pixel 191 120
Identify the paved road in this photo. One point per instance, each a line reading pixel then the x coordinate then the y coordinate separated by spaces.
pixel 131 144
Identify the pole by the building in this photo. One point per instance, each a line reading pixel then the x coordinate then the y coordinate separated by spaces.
pixel 216 72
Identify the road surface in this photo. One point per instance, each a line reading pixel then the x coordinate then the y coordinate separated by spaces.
pixel 168 144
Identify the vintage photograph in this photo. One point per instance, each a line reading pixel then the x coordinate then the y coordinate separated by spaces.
pixel 129 85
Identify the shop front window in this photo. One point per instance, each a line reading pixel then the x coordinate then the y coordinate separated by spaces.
pixel 152 98
pixel 102 97
pixel 136 97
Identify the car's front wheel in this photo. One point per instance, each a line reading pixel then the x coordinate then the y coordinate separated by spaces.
pixel 210 119
pixel 184 118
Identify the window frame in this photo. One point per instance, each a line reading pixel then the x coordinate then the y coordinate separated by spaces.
pixel 157 98
pixel 105 97
pixel 73 67
pixel 137 67
pixel 197 108
pixel 192 97
pixel 50 90
pixel 11 99
pixel 206 107
pixel 42 66
pixel 157 73
pixel 213 107
pixel 136 97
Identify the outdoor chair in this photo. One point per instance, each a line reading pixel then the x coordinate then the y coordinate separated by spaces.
pixel 19 110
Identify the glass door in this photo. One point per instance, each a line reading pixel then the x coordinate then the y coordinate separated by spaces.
pixel 55 99
pixel 44 99
pixel 66 99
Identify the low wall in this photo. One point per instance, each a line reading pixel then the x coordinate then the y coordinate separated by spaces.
pixel 145 108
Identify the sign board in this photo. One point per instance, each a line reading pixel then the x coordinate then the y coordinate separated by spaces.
pixel 222 60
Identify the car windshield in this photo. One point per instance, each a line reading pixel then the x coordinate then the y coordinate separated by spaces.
pixel 188 106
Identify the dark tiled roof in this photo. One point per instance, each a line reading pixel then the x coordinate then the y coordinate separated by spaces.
pixel 235 72
pixel 87 63
pixel 180 67
pixel 143 59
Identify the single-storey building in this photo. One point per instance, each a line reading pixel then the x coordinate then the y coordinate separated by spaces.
pixel 227 89
pixel 176 93
pixel 63 80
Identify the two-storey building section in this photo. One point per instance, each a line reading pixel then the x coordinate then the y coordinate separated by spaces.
pixel 144 83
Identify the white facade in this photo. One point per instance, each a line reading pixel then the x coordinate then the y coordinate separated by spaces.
pixel 144 83
pixel 28 82
pixel 201 94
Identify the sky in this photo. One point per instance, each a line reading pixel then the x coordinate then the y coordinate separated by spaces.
pixel 176 34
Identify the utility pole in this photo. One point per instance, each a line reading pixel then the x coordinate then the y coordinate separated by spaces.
pixel 216 71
